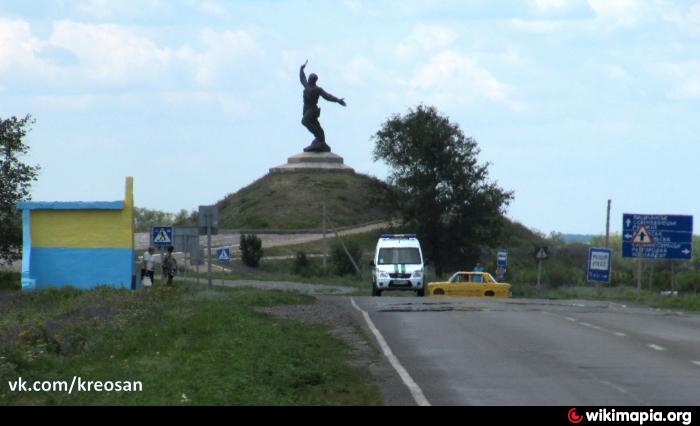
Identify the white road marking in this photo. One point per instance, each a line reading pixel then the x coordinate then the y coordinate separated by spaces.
pixel 596 327
pixel 656 347
pixel 412 386
pixel 696 363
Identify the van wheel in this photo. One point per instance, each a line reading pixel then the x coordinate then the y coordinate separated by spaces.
pixel 376 292
pixel 489 293
pixel 420 293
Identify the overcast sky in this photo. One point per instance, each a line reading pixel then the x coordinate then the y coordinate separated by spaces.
pixel 571 101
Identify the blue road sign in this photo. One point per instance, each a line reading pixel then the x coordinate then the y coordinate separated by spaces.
pixel 162 236
pixel 502 257
pixel 599 265
pixel 657 236
pixel 223 254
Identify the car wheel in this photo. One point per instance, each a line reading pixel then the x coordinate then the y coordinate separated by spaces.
pixel 420 293
pixel 489 293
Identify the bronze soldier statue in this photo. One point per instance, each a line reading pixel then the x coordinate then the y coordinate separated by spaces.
pixel 312 111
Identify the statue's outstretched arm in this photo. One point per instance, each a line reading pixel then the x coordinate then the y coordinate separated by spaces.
pixel 302 75
pixel 330 98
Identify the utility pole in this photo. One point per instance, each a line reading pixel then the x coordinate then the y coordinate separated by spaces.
pixel 207 217
pixel 325 245
pixel 607 227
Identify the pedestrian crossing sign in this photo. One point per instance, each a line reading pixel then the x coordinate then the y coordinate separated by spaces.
pixel 162 236
pixel 223 254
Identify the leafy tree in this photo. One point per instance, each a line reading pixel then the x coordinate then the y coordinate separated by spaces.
pixel 15 184
pixel 442 191
pixel 145 219
pixel 251 250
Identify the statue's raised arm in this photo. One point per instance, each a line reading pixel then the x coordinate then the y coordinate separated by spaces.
pixel 302 75
pixel 312 112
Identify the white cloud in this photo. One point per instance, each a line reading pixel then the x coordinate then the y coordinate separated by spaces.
pixel 113 10
pixel 426 38
pixel 111 54
pixel 618 13
pixel 221 53
pixel 538 26
pixel 452 75
pixel 685 80
pixel 19 48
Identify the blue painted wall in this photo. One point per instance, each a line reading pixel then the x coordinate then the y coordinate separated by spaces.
pixel 81 267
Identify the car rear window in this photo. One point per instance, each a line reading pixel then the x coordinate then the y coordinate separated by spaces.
pixel 404 255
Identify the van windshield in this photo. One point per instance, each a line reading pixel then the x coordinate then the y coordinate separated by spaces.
pixel 393 255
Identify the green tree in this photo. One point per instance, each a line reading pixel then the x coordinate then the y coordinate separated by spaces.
pixel 442 191
pixel 251 250
pixel 17 178
pixel 145 219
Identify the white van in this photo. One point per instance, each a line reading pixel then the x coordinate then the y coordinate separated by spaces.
pixel 398 264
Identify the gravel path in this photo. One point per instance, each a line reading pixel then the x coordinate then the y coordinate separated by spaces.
pixel 268 240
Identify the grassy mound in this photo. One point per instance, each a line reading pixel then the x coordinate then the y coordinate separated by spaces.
pixel 295 200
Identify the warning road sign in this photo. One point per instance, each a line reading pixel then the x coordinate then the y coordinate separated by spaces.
pixel 162 236
pixel 223 254
pixel 642 236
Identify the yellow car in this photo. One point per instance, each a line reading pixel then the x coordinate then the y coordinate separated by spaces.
pixel 469 284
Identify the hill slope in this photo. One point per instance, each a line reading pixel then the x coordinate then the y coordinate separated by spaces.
pixel 295 200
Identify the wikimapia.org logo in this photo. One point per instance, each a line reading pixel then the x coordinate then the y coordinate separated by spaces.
pixel 574 417
pixel 639 417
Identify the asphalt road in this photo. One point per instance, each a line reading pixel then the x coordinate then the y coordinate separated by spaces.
pixel 522 352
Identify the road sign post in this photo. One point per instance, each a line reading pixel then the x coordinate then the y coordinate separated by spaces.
pixel 541 253
pixel 224 256
pixel 599 265
pixel 208 218
pixel 647 236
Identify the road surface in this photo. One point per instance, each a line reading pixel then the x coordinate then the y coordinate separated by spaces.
pixel 539 352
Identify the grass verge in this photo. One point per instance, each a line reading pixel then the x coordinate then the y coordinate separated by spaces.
pixel 188 345
pixel 688 302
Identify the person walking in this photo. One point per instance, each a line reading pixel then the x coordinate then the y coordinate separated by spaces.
pixel 169 266
pixel 148 264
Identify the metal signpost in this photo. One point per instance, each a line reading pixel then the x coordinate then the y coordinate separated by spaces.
pixel 208 220
pixel 162 236
pixel 501 264
pixel 599 265
pixel 224 256
pixel 186 240
pixel 541 253
pixel 647 236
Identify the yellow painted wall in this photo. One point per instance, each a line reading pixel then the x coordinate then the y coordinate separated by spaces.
pixel 86 228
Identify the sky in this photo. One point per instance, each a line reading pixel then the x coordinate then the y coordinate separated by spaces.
pixel 572 102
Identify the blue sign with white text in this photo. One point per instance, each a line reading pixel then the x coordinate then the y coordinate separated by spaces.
pixel 657 236
pixel 599 265
pixel 502 257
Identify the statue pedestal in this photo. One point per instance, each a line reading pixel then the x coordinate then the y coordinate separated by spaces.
pixel 313 161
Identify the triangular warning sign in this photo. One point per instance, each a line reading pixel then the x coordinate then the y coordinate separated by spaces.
pixel 642 236
pixel 162 237
pixel 542 254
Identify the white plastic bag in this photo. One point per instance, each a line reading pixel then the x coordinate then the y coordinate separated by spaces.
pixel 146 281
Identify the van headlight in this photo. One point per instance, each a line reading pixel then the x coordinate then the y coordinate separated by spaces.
pixel 418 274
pixel 383 275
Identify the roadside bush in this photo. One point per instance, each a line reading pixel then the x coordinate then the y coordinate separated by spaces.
pixel 342 265
pixel 301 265
pixel 10 280
pixel 251 250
